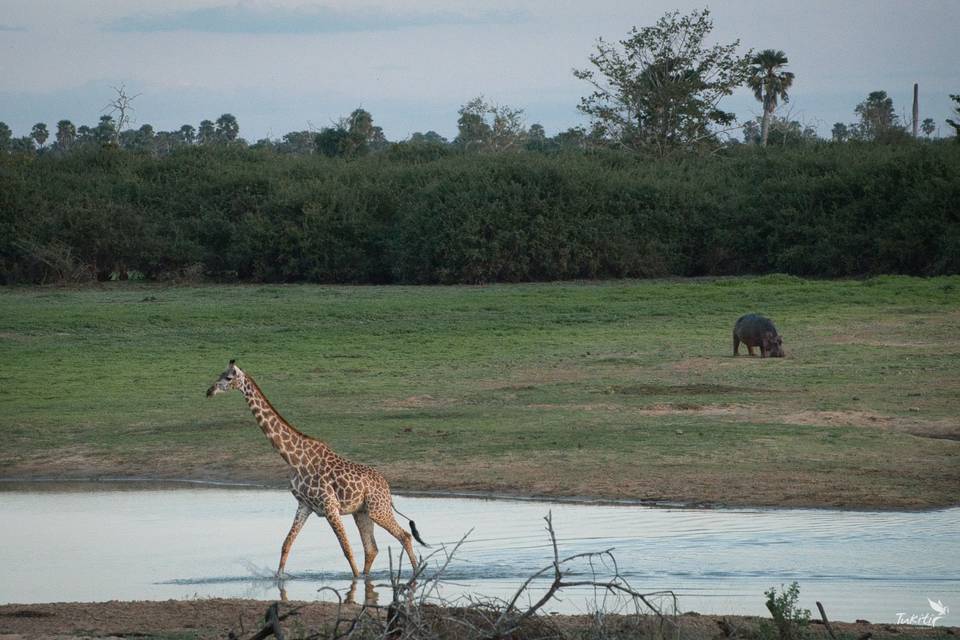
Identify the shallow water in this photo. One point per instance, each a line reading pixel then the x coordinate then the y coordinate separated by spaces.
pixel 60 545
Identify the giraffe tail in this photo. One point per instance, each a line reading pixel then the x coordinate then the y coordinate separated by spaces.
pixel 413 527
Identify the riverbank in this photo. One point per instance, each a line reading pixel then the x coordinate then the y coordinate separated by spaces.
pixel 618 391
pixel 216 618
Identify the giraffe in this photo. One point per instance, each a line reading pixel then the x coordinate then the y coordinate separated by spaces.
pixel 322 481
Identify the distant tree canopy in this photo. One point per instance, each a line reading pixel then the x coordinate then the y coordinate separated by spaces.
pixel 353 136
pixel 657 91
pixel 483 126
pixel 878 119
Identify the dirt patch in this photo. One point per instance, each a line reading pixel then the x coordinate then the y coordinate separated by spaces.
pixel 698 365
pixel 216 618
pixel 677 389
pixel 946 429
pixel 530 378
pixel 417 402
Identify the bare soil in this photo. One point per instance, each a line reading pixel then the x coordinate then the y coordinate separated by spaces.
pixel 217 618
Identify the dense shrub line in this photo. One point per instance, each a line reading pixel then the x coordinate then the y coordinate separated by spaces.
pixel 409 215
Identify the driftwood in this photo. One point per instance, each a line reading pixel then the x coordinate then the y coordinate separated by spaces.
pixel 416 610
pixel 271 627
pixel 826 623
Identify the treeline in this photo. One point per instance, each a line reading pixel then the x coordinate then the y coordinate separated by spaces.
pixel 430 213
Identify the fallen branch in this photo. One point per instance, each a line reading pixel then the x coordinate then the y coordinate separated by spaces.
pixel 826 623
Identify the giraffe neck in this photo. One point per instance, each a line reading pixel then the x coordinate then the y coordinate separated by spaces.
pixel 281 434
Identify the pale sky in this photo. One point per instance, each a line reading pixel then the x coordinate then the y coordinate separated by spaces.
pixel 288 65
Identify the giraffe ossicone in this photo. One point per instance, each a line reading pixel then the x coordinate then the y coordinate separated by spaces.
pixel 322 481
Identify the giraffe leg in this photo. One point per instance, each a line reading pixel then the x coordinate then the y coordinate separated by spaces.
pixel 365 525
pixel 303 512
pixel 333 517
pixel 386 520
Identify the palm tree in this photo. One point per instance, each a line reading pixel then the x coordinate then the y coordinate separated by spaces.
pixel 40 133
pixel 769 83
pixel 66 135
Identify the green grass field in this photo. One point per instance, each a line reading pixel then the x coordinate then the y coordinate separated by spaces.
pixel 621 389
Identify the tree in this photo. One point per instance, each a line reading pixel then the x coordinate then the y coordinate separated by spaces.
pixel 66 135
pixel 953 123
pixel 352 136
pixel 360 132
pixel 536 138
pixel 85 134
pixel 106 131
pixel 484 126
pixel 769 83
pixel 227 128
pixel 928 126
pixel 23 144
pixel 40 134
pixel 840 132
pixel 207 133
pixel 660 88
pixel 473 132
pixel 430 137
pixel 145 139
pixel 187 134
pixel 121 107
pixel 5 136
pixel 331 141
pixel 878 120
pixel 296 142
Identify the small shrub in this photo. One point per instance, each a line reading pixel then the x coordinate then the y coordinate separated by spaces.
pixel 791 620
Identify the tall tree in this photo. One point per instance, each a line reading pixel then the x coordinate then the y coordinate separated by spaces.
pixel 483 126
pixel 187 134
pixel 40 133
pixel 928 126
pixel 331 141
pixel 206 133
pixel 106 131
pixel 660 88
pixel 954 123
pixel 66 135
pixel 878 120
pixel 227 128
pixel 85 134
pixel 840 132
pixel 770 84
pixel 473 132
pixel 296 142
pixel 5 136
pixel 121 110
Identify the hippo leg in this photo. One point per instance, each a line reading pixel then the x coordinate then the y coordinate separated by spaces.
pixel 750 350
pixel 736 345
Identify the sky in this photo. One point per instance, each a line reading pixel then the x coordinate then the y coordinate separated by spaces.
pixel 291 65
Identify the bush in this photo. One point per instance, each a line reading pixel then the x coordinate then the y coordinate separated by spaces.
pixel 425 214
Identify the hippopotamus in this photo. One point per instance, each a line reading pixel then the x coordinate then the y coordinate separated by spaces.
pixel 757 331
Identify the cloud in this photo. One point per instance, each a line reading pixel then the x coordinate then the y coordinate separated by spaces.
pixel 6 27
pixel 259 19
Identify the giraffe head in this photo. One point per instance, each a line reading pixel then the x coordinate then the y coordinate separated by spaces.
pixel 232 378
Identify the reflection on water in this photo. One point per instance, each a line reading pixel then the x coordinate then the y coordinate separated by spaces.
pixel 159 544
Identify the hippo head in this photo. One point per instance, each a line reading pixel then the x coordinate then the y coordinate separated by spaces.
pixel 772 345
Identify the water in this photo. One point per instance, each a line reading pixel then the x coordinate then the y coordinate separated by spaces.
pixel 69 545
